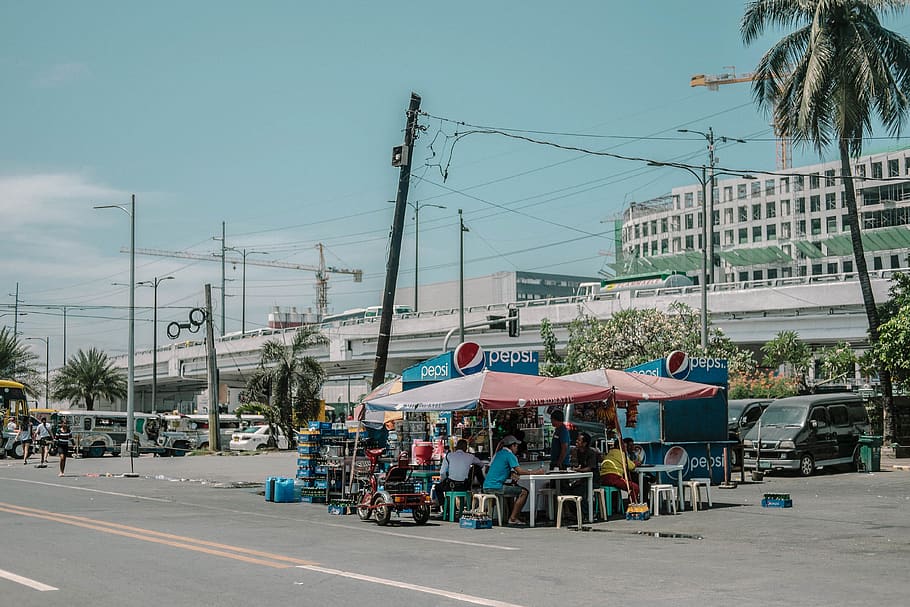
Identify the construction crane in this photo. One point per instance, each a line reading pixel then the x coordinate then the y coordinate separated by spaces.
pixel 322 271
pixel 783 144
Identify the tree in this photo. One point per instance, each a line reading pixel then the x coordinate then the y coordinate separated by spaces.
pixel 88 376
pixel 18 363
pixel 288 380
pixel 552 364
pixel 786 350
pixel 826 81
pixel 894 346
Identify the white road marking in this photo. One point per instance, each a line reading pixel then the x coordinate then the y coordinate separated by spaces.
pixel 26 581
pixel 138 497
pixel 457 596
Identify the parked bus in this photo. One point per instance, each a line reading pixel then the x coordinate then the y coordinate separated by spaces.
pixel 13 407
pixel 98 432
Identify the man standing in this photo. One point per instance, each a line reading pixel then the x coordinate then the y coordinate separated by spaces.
pixel 559 446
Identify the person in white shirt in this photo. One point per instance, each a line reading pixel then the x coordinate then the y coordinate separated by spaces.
pixel 455 473
pixel 43 437
pixel 25 438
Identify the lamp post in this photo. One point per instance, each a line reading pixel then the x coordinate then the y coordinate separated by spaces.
pixel 47 367
pixel 417 206
pixel 131 360
pixel 709 136
pixel 461 231
pixel 154 285
pixel 244 253
pixel 703 286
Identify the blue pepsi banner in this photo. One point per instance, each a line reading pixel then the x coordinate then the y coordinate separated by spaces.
pixel 469 358
pixel 679 365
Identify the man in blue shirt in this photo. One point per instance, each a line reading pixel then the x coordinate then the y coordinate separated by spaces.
pixel 502 469
pixel 559 447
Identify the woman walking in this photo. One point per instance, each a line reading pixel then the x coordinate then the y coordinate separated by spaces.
pixel 64 437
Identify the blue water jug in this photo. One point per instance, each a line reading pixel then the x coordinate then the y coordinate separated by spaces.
pixel 284 490
pixel 270 488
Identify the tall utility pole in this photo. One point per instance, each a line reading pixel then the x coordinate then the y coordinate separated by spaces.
pixel 461 232
pixel 401 157
pixel 154 284
pixel 244 253
pixel 223 247
pixel 417 206
pixel 16 314
pixel 212 367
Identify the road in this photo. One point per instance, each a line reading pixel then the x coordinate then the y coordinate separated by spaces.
pixel 188 531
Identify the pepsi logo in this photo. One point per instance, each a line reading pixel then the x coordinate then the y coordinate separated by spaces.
pixel 677 365
pixel 468 358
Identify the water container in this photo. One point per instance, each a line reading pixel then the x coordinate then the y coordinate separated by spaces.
pixel 421 452
pixel 270 488
pixel 284 490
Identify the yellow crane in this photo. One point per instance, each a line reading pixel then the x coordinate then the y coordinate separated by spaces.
pixel 322 271
pixel 783 143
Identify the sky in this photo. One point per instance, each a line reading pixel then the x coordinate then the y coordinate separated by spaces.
pixel 278 118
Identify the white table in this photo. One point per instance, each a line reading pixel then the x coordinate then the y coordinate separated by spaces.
pixel 533 479
pixel 667 469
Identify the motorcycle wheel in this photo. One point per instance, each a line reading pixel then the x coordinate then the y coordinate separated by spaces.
pixel 383 508
pixel 421 514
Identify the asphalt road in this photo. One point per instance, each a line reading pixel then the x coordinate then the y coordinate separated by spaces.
pixel 188 531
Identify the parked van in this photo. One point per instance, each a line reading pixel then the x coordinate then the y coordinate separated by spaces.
pixel 804 433
pixel 98 432
pixel 182 433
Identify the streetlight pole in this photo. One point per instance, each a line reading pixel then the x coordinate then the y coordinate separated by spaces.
pixel 244 253
pixel 461 232
pixel 131 360
pixel 154 284
pixel 417 206
pixel 47 367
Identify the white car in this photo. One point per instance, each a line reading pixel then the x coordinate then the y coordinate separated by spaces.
pixel 255 438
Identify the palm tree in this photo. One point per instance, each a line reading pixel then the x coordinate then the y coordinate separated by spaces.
pixel 826 81
pixel 18 363
pixel 87 376
pixel 289 380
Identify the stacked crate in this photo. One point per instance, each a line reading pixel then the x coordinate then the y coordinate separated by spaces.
pixel 311 469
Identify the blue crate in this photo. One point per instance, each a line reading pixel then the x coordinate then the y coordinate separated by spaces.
pixel 308 448
pixel 319 426
pixel 776 503
pixel 321 483
pixel 313 499
pixel 322 469
pixel 306 473
pixel 475 523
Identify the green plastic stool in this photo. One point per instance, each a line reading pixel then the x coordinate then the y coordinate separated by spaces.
pixel 608 493
pixel 451 501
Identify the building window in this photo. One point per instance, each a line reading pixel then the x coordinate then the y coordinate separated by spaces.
pixel 741 191
pixel 743 235
pixel 756 234
pixel 816 269
pixel 771 210
pixel 728 215
pixel 664 246
pixel 895 262
pixel 637 231
pixel 848 266
pixel 832 225
pixel 815 203
pixel 772 273
pixel 644 229
pixel 700 197
pixel 663 225
pixel 860 170
pixel 653 247
pixel 800 205
pixel 906 165
pixel 728 193
pixel 798 183
pixel 785 230
pixel 784 208
pixel 743 214
pixel 876 263
pixel 801 228
pixel 830 181
pixel 832 268
pixel 728 236
pixel 784 185
pixel 756 189
pixel 830 201
pixel 689 221
pixel 756 212
pixel 674 223
pixel 688 199
pixel 769 187
pixel 690 243
pixel 894 169
pixel 845 222
pixel 816 226
pixel 743 276
pixel 771 231
pixel 654 228
pixel 758 275
pixel 813 181
pixel 876 170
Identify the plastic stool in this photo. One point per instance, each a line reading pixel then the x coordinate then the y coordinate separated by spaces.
pixel 480 500
pixel 562 499
pixel 550 494
pixel 602 507
pixel 451 504
pixel 694 485
pixel 663 493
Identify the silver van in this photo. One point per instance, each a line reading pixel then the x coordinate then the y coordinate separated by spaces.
pixel 805 433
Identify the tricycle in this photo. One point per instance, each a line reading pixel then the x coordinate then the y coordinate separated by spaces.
pixel 398 492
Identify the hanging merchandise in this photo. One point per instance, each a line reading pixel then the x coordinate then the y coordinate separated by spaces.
pixel 632 414
pixel 606 414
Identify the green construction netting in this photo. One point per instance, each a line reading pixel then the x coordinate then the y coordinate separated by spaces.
pixel 751 257
pixel 683 262
pixel 808 249
pixel 883 239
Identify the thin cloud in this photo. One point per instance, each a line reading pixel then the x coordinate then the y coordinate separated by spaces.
pixel 50 198
pixel 61 74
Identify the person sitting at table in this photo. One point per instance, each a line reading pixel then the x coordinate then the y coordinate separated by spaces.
pixel 455 474
pixel 586 459
pixel 502 476
pixel 611 472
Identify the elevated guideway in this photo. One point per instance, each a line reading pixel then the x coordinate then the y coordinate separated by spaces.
pixel 823 309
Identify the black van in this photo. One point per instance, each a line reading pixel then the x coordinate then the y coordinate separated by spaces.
pixel 807 432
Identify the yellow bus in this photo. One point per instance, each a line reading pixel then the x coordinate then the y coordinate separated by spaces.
pixel 13 407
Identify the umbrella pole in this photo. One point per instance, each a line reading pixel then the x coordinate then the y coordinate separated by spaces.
pixel 625 467
pixel 490 430
pixel 353 458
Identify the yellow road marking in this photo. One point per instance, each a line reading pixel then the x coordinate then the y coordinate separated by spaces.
pixel 177 541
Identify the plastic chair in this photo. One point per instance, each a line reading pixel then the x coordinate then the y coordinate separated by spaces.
pixel 452 503
pixel 663 494
pixel 479 504
pixel 602 506
pixel 562 499
pixel 550 494
pixel 694 485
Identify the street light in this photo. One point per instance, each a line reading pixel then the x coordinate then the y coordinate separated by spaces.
pixel 461 232
pixel 154 285
pixel 703 286
pixel 417 206
pixel 131 360
pixel 244 253
pixel 709 136
pixel 47 366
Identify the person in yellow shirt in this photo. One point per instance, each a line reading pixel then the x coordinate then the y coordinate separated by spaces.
pixel 611 470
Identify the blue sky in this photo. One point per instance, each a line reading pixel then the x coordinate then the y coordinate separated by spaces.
pixel 278 118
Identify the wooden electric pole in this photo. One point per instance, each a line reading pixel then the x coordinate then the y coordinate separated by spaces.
pixel 401 157
pixel 212 366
